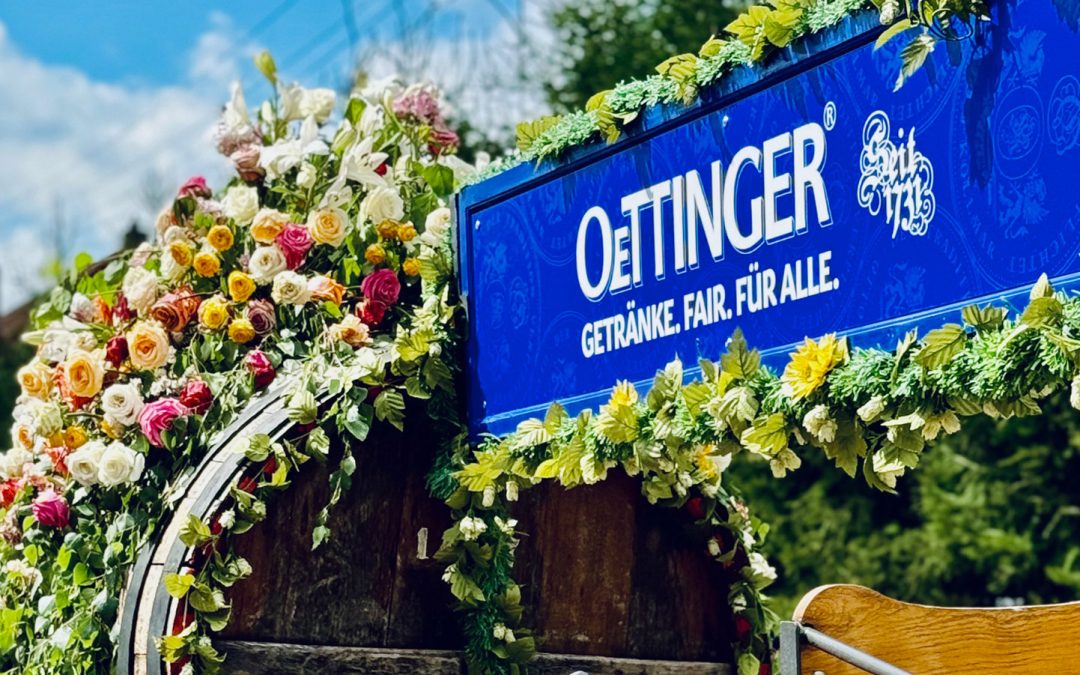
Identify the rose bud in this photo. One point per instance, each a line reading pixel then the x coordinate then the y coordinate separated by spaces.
pixel 258 363
pixel 196 396
pixel 695 506
pixel 371 312
pixel 116 350
pixel 194 187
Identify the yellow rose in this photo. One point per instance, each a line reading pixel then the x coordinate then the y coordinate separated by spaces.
pixel 25 436
pixel 148 344
pixel 388 229
pixel 56 439
pixel 181 252
pixel 85 372
pixel 220 238
pixel 406 232
pixel 241 286
pixel 206 264
pixel 113 431
pixel 411 267
pixel 214 313
pixel 375 254
pixel 327 226
pixel 267 225
pixel 36 380
pixel 74 437
pixel 241 331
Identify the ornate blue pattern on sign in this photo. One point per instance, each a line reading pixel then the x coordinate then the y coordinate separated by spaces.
pixel 813 200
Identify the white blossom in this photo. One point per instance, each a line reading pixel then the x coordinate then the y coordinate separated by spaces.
pixel 471 528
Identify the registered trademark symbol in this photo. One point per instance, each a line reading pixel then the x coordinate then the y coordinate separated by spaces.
pixel 830 116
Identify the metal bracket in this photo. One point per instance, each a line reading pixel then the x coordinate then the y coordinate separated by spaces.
pixel 794 634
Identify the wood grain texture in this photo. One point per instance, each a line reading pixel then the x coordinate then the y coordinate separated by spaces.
pixel 252 658
pixel 606 573
pixel 921 639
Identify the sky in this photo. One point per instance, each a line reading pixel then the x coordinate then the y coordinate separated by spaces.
pixel 106 107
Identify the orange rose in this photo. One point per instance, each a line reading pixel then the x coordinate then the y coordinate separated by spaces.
pixel 325 288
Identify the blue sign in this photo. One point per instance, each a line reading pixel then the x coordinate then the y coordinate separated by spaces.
pixel 795 201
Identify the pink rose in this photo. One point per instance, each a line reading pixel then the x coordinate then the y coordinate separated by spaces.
pixel 259 364
pixel 51 509
pixel 443 140
pixel 381 286
pixel 157 416
pixel 294 243
pixel 196 396
pixel 194 187
pixel 260 312
pixel 246 160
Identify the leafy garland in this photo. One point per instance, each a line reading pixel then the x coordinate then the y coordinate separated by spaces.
pixel 868 406
pixel 752 37
pixel 324 265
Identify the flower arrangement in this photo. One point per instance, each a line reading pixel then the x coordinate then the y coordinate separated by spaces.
pixel 325 259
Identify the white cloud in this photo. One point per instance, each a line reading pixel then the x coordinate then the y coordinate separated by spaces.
pixel 89 149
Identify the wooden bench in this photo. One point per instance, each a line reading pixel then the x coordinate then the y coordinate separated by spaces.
pixel 836 629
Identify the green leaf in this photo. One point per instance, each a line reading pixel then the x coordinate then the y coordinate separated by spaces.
pixel 619 423
pixel 749 29
pixel 80 575
pixel 303 408
pixel 318 444
pixel 985 318
pixel 530 433
pixel 767 436
pixel 1042 288
pixel 892 31
pixel 439 177
pixel 178 585
pixel 1042 312
pixel 354 110
pixel 738 360
pixel 357 420
pixel 390 407
pixel 204 599
pixel 941 345
pixel 195 532
pixel 258 447
pixel 902 348
pixel 913 57
pixel 528 132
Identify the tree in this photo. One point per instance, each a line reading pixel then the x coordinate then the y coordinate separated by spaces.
pixel 602 42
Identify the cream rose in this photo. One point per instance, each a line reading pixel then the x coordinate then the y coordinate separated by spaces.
pixel 241 203
pixel 14 460
pixel 119 464
pixel 148 344
pixel 84 462
pixel 267 225
pixel 436 227
pixel 140 287
pixel 122 403
pixel 85 372
pixel 36 380
pixel 290 288
pixel 328 226
pixel 265 264
pixel 382 203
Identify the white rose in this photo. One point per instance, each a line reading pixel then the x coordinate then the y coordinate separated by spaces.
pixel 227 519
pixel 14 460
pixel 82 309
pixel 241 203
pixel 119 464
pixel 290 288
pixel 266 263
pixel 170 269
pixel 316 102
pixel 140 287
pixel 436 227
pixel 165 219
pixel 122 403
pixel 84 462
pixel 174 233
pixel 382 203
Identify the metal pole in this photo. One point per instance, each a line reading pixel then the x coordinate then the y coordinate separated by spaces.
pixel 849 654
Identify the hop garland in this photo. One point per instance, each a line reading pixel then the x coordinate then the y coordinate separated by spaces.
pixel 867 407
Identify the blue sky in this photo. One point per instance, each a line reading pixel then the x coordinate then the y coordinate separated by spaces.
pixel 104 105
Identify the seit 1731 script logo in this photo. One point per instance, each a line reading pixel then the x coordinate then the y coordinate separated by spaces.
pixel 896 179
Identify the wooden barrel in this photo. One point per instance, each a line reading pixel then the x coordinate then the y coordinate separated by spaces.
pixel 610 583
